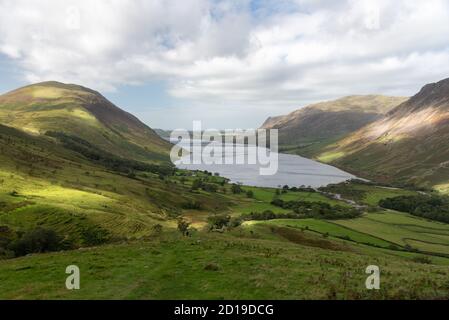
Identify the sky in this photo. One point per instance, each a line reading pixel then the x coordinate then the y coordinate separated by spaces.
pixel 229 63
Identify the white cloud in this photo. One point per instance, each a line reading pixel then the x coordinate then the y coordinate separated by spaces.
pixel 276 56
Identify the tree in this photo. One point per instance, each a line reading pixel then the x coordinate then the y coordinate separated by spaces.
pixel 183 226
pixel 218 221
pixel 36 241
pixel 197 183
pixel 250 194
pixel 192 205
pixel 236 189
pixel 210 187
pixel 157 228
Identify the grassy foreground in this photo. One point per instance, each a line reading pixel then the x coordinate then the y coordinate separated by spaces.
pixel 212 266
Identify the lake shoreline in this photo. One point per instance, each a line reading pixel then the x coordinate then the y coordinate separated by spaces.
pixel 293 170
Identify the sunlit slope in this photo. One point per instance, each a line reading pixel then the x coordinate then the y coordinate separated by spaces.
pixel 315 126
pixel 84 113
pixel 42 184
pixel 410 145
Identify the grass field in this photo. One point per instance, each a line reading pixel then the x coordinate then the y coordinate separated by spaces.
pixel 210 266
pixel 366 194
pixel 373 194
pixel 263 197
pixel 332 230
pixel 403 229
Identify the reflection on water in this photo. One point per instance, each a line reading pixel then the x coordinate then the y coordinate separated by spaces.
pixel 293 171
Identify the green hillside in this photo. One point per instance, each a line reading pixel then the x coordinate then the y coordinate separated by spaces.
pixel 409 146
pixel 270 263
pixel 84 113
pixel 309 129
pixel 44 184
pixel 141 229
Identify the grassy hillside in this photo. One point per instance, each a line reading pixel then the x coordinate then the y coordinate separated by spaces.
pixel 404 230
pixel 141 229
pixel 165 134
pixel 409 146
pixel 311 128
pixel 46 185
pixel 84 113
pixel 279 264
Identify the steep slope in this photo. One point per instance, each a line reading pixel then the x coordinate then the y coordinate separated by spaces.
pixel 164 134
pixel 410 145
pixel 310 128
pixel 44 184
pixel 83 113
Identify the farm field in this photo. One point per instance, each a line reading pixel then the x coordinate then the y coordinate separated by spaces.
pixel 404 230
pixel 330 229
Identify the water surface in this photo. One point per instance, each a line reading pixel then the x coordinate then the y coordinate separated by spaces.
pixel 293 171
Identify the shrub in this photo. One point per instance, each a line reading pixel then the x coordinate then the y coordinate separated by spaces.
pixel 218 221
pixel 433 207
pixel 183 226
pixel 94 236
pixel 265 215
pixel 236 189
pixel 157 229
pixel 346 190
pixel 131 175
pixel 107 159
pixel 192 205
pixel 422 259
pixel 14 193
pixel 235 222
pixel 197 184
pixel 318 210
pixel 212 267
pixel 36 241
pixel 209 187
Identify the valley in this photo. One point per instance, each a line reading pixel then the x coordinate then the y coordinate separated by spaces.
pixel 96 189
pixel 406 145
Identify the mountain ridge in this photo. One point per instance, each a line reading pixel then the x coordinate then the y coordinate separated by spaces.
pixel 319 124
pixel 81 112
pixel 408 146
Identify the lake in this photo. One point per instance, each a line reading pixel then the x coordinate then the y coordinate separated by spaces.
pixel 292 170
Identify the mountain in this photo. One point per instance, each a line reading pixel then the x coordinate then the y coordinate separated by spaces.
pixel 164 134
pixel 62 190
pixel 315 126
pixel 80 112
pixel 409 145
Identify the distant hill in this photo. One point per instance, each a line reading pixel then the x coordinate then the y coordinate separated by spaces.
pixel 165 134
pixel 311 128
pixel 81 112
pixel 409 145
